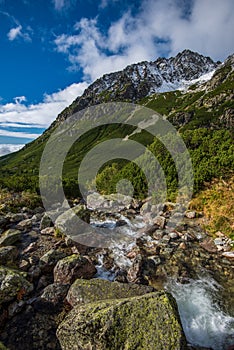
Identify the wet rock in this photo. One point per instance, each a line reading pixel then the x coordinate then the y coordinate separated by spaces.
pixel 12 284
pixel 8 255
pixel 87 291
pixel 10 237
pixel 75 266
pixel 133 323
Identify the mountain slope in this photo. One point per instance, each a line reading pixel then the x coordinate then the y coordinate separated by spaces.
pixel 142 79
pixel 202 104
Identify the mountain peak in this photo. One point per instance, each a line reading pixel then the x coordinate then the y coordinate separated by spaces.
pixel 141 79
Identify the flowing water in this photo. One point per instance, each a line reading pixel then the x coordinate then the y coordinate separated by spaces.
pixel 204 322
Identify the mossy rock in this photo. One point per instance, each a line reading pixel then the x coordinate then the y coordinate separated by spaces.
pixel 145 322
pixel 12 284
pixel 88 291
pixel 10 237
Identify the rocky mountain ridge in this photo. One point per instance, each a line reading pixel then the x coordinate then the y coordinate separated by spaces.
pixel 143 79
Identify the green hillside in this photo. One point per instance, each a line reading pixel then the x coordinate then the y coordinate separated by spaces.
pixel 203 115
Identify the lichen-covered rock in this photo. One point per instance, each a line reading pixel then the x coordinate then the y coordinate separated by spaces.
pixel 49 260
pixel 87 291
pixel 52 299
pixel 12 284
pixel 75 266
pixel 147 322
pixel 8 255
pixel 10 237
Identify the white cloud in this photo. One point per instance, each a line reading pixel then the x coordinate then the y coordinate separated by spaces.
pixel 8 148
pixel 18 125
pixel 41 114
pixel 16 32
pixel 20 99
pixel 160 27
pixel 59 4
pixel 18 134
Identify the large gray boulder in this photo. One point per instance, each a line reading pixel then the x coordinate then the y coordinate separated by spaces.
pixel 147 322
pixel 86 291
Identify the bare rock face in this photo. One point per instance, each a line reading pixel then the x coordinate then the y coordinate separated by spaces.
pixel 147 322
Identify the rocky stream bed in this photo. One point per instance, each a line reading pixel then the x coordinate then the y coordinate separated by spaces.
pixel 56 293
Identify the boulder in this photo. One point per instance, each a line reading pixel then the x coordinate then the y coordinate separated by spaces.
pixel 147 322
pixel 12 284
pixel 10 237
pixel 25 224
pixel 49 260
pixel 8 255
pixel 66 223
pixel 46 221
pixel 52 299
pixel 75 266
pixel 109 203
pixel 87 291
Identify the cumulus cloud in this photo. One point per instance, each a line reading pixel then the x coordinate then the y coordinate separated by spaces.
pixel 38 115
pixel 8 148
pixel 17 32
pixel 159 28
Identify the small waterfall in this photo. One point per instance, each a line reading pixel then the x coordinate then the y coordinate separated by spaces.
pixel 203 321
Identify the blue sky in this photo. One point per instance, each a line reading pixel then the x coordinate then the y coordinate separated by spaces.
pixel 52 49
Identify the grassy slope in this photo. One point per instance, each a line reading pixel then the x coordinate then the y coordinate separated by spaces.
pixel 189 112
